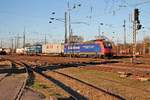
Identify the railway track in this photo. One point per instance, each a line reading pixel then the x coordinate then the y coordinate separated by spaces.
pixel 73 92
pixel 109 80
pixel 90 85
pixel 3 76
pixel 61 84
pixel 75 95
pixel 13 81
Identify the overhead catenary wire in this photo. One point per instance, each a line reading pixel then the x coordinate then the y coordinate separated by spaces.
pixel 141 3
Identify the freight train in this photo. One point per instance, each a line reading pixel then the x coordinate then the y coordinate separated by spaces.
pixel 96 48
pixel 93 48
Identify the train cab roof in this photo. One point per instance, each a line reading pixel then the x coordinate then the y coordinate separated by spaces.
pixel 94 41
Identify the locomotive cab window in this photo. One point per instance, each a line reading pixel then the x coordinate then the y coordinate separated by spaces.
pixel 107 45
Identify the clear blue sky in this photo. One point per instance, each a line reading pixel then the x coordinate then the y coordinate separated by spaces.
pixel 35 14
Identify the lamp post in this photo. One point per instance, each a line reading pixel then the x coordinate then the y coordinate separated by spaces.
pixel 24 37
pixel 99 29
pixel 67 20
pixel 62 20
pixel 69 16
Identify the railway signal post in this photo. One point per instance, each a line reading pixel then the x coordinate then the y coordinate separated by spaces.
pixel 136 26
pixel 124 26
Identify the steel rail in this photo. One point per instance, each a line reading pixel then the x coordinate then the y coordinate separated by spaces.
pixel 20 92
pixel 90 85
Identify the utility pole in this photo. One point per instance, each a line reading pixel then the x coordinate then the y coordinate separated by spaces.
pixel 144 44
pixel 17 40
pixel 134 41
pixel 99 31
pixel 69 21
pixel 117 51
pixel 12 44
pixel 66 27
pixel 1 44
pixel 69 9
pixel 144 47
pixel 24 38
pixel 45 39
pixel 124 26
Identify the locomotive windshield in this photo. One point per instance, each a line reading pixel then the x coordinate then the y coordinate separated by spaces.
pixel 107 45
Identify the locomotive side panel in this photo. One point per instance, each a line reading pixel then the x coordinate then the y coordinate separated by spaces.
pixel 82 49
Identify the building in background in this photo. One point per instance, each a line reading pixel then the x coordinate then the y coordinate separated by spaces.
pixel 75 39
pixel 146 45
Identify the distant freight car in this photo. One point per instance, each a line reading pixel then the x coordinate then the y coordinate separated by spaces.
pixel 96 48
pixel 7 50
pixel 52 48
pixel 34 49
pixel 2 51
pixel 20 51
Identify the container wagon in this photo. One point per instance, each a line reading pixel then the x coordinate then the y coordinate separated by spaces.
pixel 96 48
pixel 33 50
pixel 52 49
pixel 20 51
pixel 2 51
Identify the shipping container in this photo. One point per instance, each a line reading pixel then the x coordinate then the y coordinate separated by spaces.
pixel 20 50
pixel 7 50
pixel 52 48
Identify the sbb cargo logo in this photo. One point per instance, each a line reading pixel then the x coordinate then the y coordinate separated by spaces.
pixel 74 47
